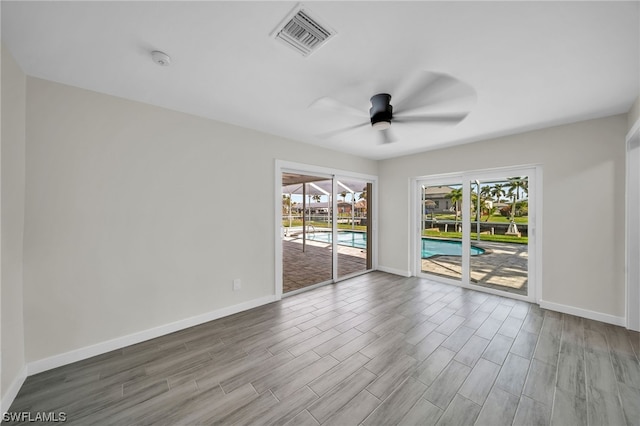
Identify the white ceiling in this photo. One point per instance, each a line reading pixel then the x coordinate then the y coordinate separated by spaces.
pixel 531 64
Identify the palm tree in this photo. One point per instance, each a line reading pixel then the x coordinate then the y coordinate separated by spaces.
pixel 474 204
pixel 491 212
pixel 286 203
pixel 497 191
pixel 517 184
pixel 455 196
pixel 485 194
pixel 363 194
pixel 485 191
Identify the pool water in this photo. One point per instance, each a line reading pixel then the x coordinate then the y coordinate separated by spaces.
pixel 430 246
pixel 433 247
pixel 345 238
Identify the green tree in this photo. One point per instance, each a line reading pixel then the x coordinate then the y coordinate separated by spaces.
pixel 517 185
pixel 456 197
pixel 490 212
pixel 485 193
pixel 286 204
pixel 363 194
pixel 497 191
pixel 474 203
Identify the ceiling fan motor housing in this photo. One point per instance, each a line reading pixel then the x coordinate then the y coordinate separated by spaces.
pixel 381 109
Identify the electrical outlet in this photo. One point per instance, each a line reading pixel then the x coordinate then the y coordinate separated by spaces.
pixel 237 284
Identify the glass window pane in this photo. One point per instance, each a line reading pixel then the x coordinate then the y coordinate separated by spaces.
pixel 441 230
pixel 353 223
pixel 307 252
pixel 499 234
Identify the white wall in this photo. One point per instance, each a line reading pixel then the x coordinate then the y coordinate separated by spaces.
pixel 633 230
pixel 634 114
pixel 12 213
pixel 583 205
pixel 137 216
pixel 633 217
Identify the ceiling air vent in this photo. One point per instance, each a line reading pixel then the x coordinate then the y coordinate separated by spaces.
pixel 300 31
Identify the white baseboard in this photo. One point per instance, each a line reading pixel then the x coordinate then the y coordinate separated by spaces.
pixel 59 360
pixel 584 313
pixel 12 391
pixel 394 271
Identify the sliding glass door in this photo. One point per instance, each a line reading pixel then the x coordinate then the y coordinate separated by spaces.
pixel 441 228
pixel 476 230
pixel 307 225
pixel 499 230
pixel 326 228
pixel 353 228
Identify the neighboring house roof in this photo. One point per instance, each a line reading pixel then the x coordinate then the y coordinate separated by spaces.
pixel 437 191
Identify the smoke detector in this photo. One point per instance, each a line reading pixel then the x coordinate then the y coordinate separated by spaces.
pixel 302 31
pixel 161 58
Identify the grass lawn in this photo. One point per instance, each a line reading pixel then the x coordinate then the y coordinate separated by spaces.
pixel 316 224
pixel 494 218
pixel 453 235
pixel 483 237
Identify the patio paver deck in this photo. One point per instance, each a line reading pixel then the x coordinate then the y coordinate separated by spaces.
pixel 504 266
pixel 314 265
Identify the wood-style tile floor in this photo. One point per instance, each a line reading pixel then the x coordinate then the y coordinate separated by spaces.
pixel 374 350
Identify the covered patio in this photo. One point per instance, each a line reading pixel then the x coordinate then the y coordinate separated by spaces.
pixel 307 261
pixel 305 268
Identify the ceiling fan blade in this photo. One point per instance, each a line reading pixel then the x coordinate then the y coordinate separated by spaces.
pixel 435 119
pixel 430 88
pixel 331 104
pixel 336 132
pixel 386 136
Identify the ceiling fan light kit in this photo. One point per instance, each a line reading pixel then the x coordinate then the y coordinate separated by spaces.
pixel 381 125
pixel 429 99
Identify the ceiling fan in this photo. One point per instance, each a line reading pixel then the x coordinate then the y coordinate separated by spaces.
pixel 431 98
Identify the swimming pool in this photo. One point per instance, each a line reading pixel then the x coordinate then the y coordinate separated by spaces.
pixel 434 247
pixel 345 238
pixel 430 246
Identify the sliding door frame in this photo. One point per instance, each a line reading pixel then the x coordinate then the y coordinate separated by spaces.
pixel 534 172
pixel 282 166
pixel 632 229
